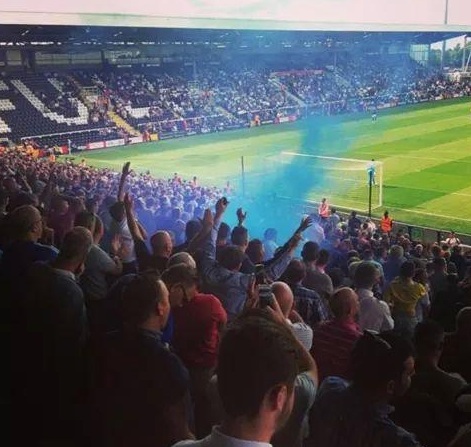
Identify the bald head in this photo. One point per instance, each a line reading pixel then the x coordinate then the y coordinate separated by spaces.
pixel 162 244
pixel 344 304
pixel 284 297
pixel 181 258
pixel 26 223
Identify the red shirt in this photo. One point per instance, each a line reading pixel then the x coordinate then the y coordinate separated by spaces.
pixel 196 333
pixel 332 344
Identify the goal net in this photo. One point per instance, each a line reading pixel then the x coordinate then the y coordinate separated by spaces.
pixel 309 178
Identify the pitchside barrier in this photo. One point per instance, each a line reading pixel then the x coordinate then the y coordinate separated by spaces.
pixel 416 232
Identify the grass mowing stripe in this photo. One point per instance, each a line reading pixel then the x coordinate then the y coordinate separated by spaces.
pixel 424 148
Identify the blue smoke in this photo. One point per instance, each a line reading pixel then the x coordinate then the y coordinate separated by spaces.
pixel 277 195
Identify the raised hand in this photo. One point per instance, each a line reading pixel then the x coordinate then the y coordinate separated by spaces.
pixel 252 295
pixel 126 171
pixel 306 222
pixel 221 206
pixel 241 216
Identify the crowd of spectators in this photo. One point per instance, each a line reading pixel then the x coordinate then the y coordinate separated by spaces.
pixel 223 97
pixel 135 315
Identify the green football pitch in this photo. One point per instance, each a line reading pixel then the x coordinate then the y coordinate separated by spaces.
pixel 425 150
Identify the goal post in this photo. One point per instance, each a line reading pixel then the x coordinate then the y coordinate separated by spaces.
pixel 345 182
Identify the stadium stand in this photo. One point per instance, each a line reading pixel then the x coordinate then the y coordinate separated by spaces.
pixel 116 286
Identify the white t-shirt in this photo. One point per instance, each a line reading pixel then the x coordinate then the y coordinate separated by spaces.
pixel 374 314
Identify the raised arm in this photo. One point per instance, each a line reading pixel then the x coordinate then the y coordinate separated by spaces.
pixel 203 234
pixel 241 216
pixel 277 265
pixel 132 224
pixel 124 174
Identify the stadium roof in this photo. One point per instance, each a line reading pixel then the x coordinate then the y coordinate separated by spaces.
pixel 63 34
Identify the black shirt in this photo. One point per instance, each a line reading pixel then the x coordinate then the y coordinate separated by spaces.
pixel 135 380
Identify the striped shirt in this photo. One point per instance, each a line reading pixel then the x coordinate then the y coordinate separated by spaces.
pixel 332 344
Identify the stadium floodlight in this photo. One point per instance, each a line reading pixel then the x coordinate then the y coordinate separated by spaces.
pixel 345 182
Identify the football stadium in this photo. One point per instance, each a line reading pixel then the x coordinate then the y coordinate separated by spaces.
pixel 236 223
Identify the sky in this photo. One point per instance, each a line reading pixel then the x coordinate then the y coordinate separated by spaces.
pixel 425 12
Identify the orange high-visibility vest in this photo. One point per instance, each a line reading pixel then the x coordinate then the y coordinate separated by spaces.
pixel 386 224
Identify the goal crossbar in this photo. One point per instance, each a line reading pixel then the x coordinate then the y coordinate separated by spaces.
pixel 299 176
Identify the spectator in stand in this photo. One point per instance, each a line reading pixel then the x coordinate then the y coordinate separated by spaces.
pixel 429 341
pixel 464 288
pixel 333 340
pixel 279 386
pixel 324 210
pixel 315 279
pixel 24 227
pixel 367 256
pixel 161 242
pixel 446 303
pixel 316 232
pixel 269 243
pixel 181 258
pixel 48 339
pixel 62 215
pixel 197 328
pixel 119 226
pixel 456 356
pixel 139 388
pixel 162 248
pixel 240 239
pixel 428 409
pixel 419 256
pixel 357 414
pixel 452 239
pixel 192 228
pixel 255 251
pixel 403 294
pixel 386 224
pixel 459 260
pixel 374 315
pixel 285 298
pixel 100 268
pixel 331 226
pixel 354 224
pixel 222 238
pixel 145 215
pixel 393 263
pixel 423 306
pixel 98 263
pixel 439 278
pixel 224 278
pixel 312 308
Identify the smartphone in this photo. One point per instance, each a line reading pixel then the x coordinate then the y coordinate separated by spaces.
pixel 265 295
